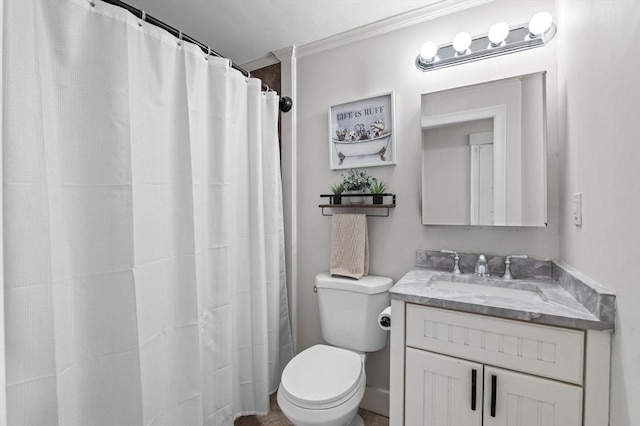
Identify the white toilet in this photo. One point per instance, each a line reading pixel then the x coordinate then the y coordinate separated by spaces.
pixel 324 385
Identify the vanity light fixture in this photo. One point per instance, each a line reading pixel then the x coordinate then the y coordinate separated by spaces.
pixel 461 43
pixel 500 40
pixel 428 52
pixel 497 34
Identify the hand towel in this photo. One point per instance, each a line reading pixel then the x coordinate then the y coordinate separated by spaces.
pixel 349 245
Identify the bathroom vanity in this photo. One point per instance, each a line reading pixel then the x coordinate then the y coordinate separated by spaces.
pixel 468 350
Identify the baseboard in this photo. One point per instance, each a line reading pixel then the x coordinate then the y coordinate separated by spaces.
pixel 376 400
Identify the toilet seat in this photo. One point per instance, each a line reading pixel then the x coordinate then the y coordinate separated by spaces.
pixel 322 377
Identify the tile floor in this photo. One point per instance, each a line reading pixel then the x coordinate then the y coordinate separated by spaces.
pixel 276 418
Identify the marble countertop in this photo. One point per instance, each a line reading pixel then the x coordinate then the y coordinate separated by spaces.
pixel 560 299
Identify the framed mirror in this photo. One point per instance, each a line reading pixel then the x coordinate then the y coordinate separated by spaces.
pixel 484 154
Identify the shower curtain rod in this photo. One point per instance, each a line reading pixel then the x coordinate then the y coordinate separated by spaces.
pixel 158 23
pixel 285 102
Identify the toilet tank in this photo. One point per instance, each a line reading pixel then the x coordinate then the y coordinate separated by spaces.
pixel 349 311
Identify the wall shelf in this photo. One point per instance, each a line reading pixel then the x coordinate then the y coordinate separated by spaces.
pixel 388 202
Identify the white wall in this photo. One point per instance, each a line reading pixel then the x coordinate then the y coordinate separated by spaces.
pixel 3 377
pixel 599 94
pixel 371 66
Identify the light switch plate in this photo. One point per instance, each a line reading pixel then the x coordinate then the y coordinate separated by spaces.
pixel 576 209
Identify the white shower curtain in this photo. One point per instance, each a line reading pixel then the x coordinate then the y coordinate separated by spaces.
pixel 142 220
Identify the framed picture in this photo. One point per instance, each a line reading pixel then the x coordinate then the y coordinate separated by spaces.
pixel 362 133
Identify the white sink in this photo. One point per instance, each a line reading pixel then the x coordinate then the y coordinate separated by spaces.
pixel 489 289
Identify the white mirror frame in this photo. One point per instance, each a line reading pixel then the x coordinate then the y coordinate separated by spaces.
pixel 499 115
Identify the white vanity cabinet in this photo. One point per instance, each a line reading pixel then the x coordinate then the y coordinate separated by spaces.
pixel 457 368
pixel 441 390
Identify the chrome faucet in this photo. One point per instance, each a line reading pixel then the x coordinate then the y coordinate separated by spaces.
pixel 507 264
pixel 482 268
pixel 456 260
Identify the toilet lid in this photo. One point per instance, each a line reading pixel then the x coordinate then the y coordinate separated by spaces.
pixel 322 375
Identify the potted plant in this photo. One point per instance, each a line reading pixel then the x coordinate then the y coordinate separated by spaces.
pixel 377 188
pixel 337 190
pixel 357 181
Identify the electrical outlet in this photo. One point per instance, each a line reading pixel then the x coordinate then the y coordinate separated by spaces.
pixel 576 209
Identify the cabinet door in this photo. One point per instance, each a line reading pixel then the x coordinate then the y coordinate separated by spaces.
pixel 515 399
pixel 439 390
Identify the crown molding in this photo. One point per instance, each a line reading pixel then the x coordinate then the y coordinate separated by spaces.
pixel 285 53
pixel 427 13
pixel 275 57
pixel 432 11
pixel 258 63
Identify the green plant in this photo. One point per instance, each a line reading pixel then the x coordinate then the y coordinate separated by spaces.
pixel 378 187
pixel 357 180
pixel 337 188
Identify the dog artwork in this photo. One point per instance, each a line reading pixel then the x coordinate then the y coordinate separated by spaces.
pixel 361 135
pixel 376 128
pixel 351 136
pixel 362 132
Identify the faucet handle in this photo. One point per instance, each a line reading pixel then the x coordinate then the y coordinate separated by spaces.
pixel 456 260
pixel 507 264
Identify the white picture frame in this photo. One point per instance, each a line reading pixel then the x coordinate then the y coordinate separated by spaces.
pixel 362 133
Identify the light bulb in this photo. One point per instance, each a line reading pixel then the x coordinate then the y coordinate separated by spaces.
pixel 461 42
pixel 428 51
pixel 498 33
pixel 540 23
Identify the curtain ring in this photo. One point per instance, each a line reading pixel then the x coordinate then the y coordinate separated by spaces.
pixel 92 3
pixel 206 58
pixel 179 39
pixel 142 18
